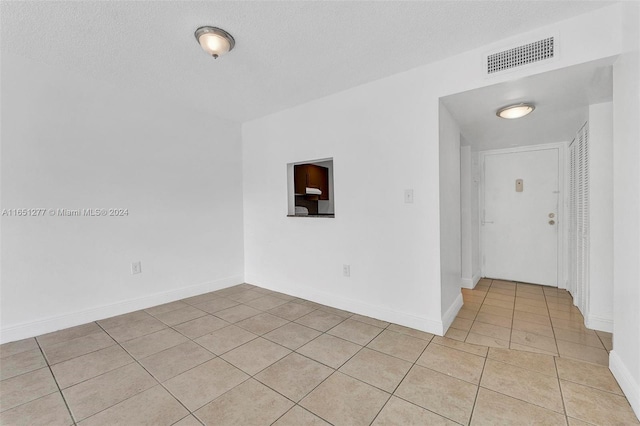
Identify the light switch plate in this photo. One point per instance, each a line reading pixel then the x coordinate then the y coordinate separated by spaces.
pixel 346 270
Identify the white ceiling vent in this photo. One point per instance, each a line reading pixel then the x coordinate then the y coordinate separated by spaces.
pixel 521 55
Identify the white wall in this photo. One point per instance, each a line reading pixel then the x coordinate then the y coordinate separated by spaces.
pixel 376 135
pixel 475 218
pixel 71 142
pixel 465 216
pixel 384 138
pixel 624 360
pixel 156 155
pixel 600 309
pixel 469 226
pixel 450 215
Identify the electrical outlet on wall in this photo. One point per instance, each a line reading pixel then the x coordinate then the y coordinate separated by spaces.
pixel 408 196
pixel 136 268
pixel 346 270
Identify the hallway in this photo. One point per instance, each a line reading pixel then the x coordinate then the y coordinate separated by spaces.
pixel 528 317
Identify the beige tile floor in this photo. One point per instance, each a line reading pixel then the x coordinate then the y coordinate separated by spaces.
pixel 528 317
pixel 248 356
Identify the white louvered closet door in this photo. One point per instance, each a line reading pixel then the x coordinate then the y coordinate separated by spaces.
pixel 572 215
pixel 579 218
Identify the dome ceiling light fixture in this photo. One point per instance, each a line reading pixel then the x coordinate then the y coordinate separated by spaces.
pixel 515 111
pixel 215 41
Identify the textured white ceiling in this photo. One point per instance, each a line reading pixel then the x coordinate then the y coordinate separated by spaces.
pixel 287 52
pixel 561 98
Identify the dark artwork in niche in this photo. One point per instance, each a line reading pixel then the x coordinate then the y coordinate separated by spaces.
pixel 309 177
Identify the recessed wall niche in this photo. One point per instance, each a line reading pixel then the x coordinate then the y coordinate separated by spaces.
pixel 310 188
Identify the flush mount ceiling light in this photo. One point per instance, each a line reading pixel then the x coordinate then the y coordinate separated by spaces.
pixel 214 41
pixel 515 111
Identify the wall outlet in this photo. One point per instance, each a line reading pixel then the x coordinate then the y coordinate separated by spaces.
pixel 408 196
pixel 136 268
pixel 346 270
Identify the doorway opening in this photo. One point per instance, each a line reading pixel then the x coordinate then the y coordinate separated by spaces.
pixel 514 183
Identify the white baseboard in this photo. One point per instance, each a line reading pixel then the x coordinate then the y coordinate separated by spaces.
pixel 451 313
pixel 470 283
pixel 627 383
pixel 600 323
pixel 59 322
pixel 358 307
pixel 476 279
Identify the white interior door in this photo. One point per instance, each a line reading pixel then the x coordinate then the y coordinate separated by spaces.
pixel 520 220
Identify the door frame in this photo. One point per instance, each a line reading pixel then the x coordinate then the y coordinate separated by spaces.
pixel 563 181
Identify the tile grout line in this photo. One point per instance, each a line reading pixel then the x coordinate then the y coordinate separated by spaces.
pixel 477 313
pixel 191 413
pixel 301 407
pixel 526 369
pixel 565 379
pixel 475 400
pixel 537 334
pixel 475 317
pixel 75 338
pixel 335 370
pixel 185 417
pixel 392 393
pixel 133 358
pixel 541 335
pixel 602 342
pixel 147 371
pixel 73 419
pixel 564 407
pixel 382 406
pixel 483 304
pixel 513 315
pixel 192 340
pixel 553 330
pixel 438 372
pixel 115 343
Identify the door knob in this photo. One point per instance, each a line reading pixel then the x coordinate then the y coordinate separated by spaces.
pixel 552 222
pixel 551 215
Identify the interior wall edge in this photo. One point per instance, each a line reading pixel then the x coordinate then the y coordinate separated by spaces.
pixel 59 322
pixel 451 313
pixel 470 283
pixel 379 312
pixel 625 379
